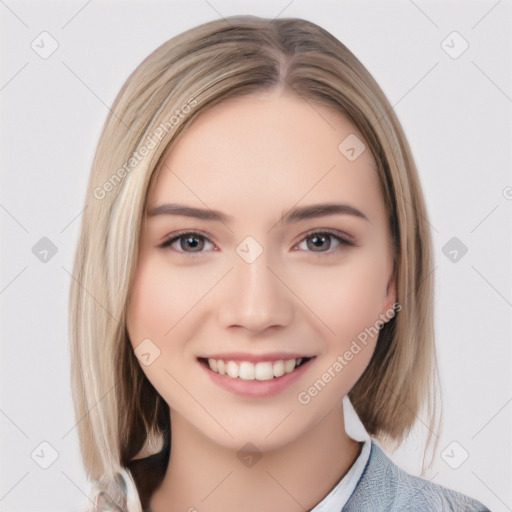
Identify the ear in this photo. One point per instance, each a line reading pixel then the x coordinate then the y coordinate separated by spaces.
pixel 390 297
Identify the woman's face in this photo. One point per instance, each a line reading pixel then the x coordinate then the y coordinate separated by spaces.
pixel 266 241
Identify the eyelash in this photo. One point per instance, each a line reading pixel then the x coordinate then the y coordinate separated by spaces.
pixel 342 240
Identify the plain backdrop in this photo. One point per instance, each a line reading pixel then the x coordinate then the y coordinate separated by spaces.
pixel 455 105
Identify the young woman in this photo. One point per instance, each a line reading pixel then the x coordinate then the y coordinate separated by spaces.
pixel 254 265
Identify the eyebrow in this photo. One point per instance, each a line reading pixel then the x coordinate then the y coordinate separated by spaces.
pixel 293 215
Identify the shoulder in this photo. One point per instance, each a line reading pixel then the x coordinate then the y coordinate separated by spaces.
pixel 385 486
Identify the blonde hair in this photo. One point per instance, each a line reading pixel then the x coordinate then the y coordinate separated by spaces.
pixel 120 416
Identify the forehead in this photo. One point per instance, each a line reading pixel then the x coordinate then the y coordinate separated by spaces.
pixel 267 150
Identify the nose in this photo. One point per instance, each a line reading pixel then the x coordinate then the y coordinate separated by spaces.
pixel 255 296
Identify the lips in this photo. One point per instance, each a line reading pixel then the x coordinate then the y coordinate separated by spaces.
pixel 247 370
pixel 264 376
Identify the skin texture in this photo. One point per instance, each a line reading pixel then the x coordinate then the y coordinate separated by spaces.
pixel 254 158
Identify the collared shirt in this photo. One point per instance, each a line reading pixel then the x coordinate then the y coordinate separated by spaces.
pixel 372 483
pixel 340 494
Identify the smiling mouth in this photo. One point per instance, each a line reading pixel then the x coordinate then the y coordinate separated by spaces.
pixel 246 370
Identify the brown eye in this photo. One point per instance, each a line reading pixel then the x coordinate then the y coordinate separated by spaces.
pixel 186 242
pixel 323 242
pixel 319 242
pixel 192 242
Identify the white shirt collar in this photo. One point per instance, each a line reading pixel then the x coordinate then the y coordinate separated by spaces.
pixel 340 494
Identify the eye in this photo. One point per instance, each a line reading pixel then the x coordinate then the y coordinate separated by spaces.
pixel 187 241
pixel 323 241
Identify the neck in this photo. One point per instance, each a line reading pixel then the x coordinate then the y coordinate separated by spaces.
pixel 201 475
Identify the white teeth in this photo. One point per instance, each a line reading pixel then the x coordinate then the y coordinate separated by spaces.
pixel 232 369
pixel 289 365
pixel 278 368
pixel 245 370
pixel 263 371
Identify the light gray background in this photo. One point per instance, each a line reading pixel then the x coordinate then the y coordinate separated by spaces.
pixel 456 113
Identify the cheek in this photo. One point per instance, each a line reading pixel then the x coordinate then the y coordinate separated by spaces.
pixel 348 303
pixel 349 297
pixel 148 301
pixel 160 298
